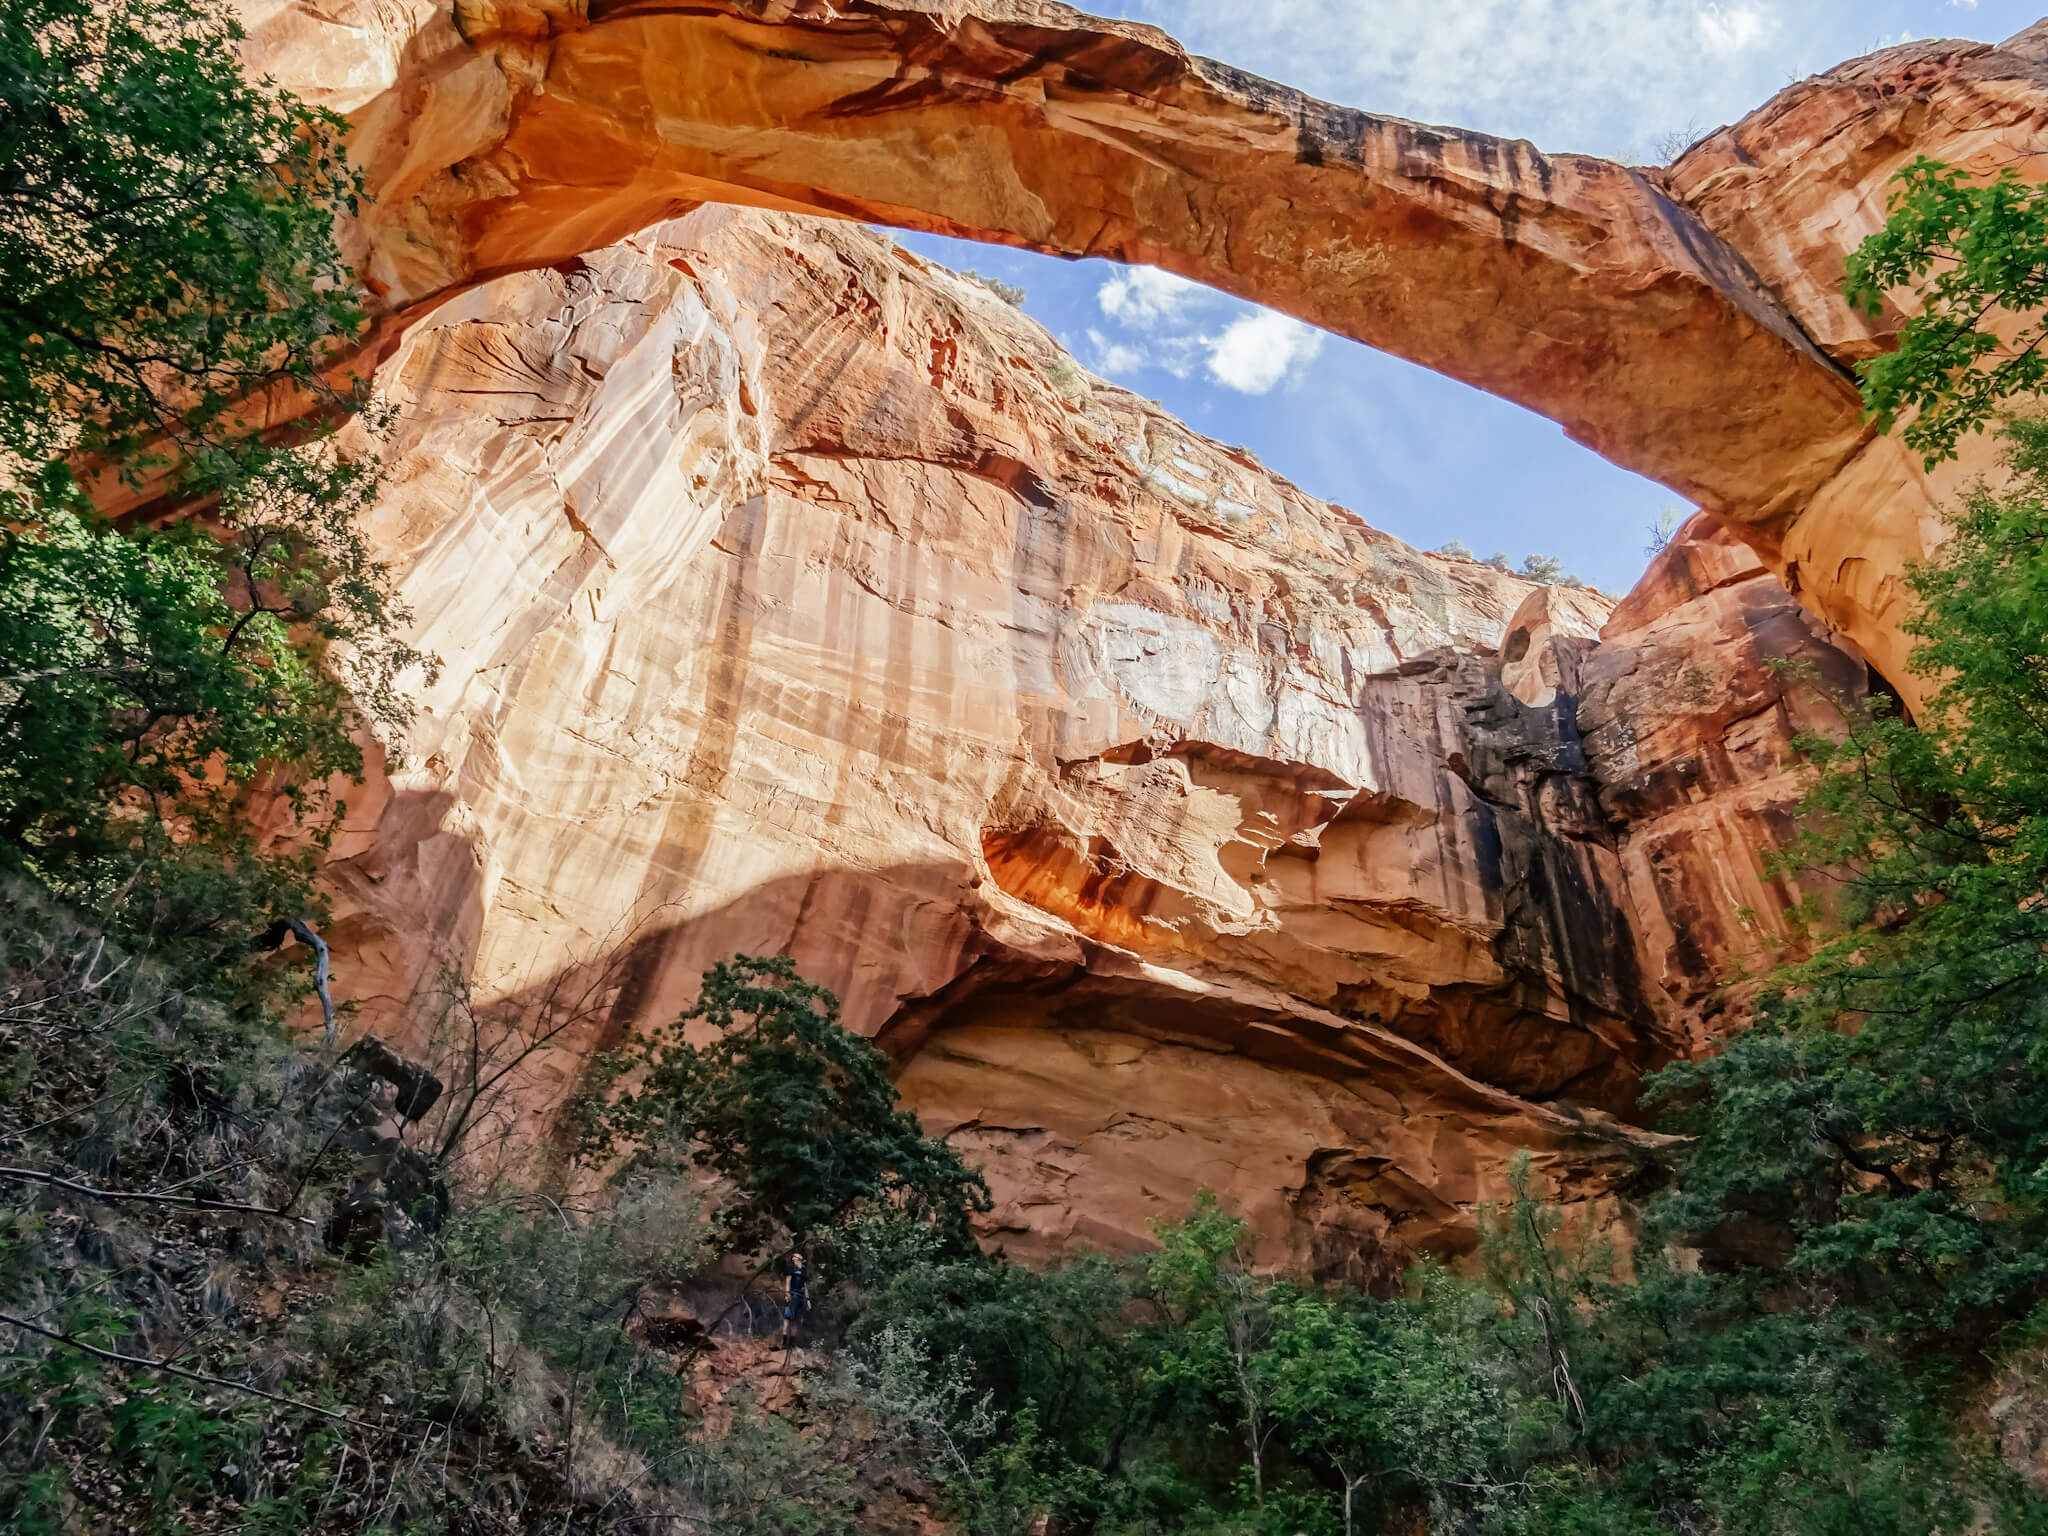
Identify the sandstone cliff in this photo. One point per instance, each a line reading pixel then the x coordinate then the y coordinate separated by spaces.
pixel 1690 704
pixel 1682 323
pixel 1169 827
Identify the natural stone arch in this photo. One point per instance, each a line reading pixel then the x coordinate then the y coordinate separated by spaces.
pixel 502 136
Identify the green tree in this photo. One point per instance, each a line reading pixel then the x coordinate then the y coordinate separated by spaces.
pixel 166 248
pixel 1214 1355
pixel 1866 1169
pixel 793 1113
pixel 1864 1179
pixel 1549 1282
pixel 149 678
pixel 1388 1401
pixel 1053 1342
pixel 1889 1111
pixel 1970 250
pixel 165 231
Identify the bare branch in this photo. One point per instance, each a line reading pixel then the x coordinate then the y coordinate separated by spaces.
pixel 145 1363
pixel 151 1197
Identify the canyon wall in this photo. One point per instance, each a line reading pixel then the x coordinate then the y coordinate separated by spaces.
pixel 1689 709
pixel 1797 185
pixel 1683 323
pixel 1169 828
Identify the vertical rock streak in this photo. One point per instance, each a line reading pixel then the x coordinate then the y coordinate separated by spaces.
pixel 1170 827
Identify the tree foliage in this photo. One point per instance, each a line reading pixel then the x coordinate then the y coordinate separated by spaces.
pixel 1393 1406
pixel 165 231
pixel 1791 1349
pixel 166 248
pixel 171 1173
pixel 151 677
pixel 1889 1114
pixel 1975 255
pixel 795 1114
pixel 1858 1219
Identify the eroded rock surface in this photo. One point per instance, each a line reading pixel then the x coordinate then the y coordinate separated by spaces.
pixel 1170 827
pixel 497 135
pixel 1690 705
pixel 1795 187
pixel 1682 323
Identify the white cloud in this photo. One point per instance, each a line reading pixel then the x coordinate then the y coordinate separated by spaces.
pixel 1139 295
pixel 1255 352
pixel 1170 325
pixel 1178 354
pixel 1731 28
pixel 1607 76
pixel 1115 357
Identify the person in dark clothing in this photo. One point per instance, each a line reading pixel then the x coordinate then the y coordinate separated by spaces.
pixel 796 1298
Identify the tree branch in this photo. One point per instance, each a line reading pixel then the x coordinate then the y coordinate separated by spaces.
pixel 151 1197
pixel 145 1363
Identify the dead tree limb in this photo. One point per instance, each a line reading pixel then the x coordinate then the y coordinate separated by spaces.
pixel 151 1197
pixel 144 1362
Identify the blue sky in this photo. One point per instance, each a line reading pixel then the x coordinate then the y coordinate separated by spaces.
pixel 1421 456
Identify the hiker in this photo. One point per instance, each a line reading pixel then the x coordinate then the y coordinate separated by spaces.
pixel 796 1298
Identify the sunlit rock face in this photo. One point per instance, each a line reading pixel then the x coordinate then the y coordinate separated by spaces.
pixel 1795 187
pixel 1683 323
pixel 1169 827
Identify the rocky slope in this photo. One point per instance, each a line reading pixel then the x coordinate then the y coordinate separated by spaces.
pixel 1682 323
pixel 1169 827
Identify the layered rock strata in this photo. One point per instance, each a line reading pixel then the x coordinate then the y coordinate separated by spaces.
pixel 1682 323
pixel 1169 827
pixel 1795 187
pixel 1690 709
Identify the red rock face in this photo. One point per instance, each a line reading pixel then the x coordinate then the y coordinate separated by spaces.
pixel 1702 680
pixel 1795 186
pixel 1169 827
pixel 1683 322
